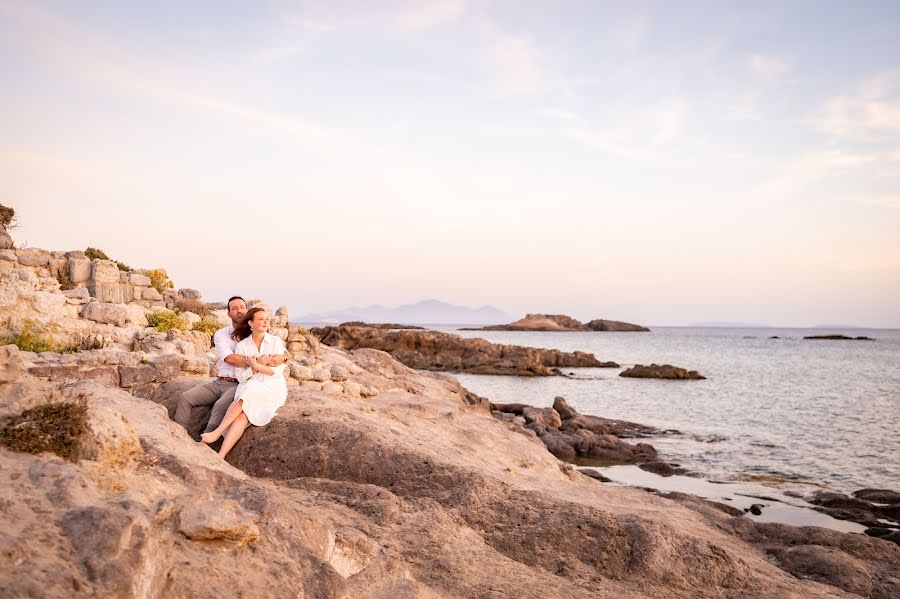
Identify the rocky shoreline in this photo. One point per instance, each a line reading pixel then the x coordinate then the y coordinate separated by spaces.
pixel 435 350
pixel 374 480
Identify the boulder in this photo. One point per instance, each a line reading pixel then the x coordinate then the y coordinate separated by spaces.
pixel 151 294
pixel 139 280
pixel 661 371
pixel 12 366
pixel 167 368
pixel 48 303
pixel 877 495
pixel 301 372
pixel 352 388
pixel 338 373
pixel 546 417
pixel 8 296
pixel 116 314
pixel 132 376
pixel 7 255
pixel 33 257
pixel 198 364
pixel 193 341
pixel 105 271
pixel 80 270
pixel 189 294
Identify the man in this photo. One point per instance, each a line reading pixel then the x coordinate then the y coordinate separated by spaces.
pixel 220 392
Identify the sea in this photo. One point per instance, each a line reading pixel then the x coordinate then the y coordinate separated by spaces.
pixel 775 409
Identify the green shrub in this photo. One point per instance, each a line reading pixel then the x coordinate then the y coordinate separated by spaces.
pixel 34 337
pixel 7 217
pixel 37 338
pixel 95 254
pixel 207 325
pixel 165 321
pixel 160 280
pixel 65 283
pixel 55 426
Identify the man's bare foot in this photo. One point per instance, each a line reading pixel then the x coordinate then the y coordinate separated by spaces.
pixel 209 438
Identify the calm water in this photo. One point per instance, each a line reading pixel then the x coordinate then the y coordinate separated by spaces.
pixel 780 410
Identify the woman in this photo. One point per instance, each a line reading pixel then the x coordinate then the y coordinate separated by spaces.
pixel 261 390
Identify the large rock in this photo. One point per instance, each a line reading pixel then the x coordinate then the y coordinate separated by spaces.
pixel 151 294
pixel 80 270
pixel 33 257
pixel 138 280
pixel 105 271
pixel 48 303
pixel 8 295
pixel 572 437
pixel 119 315
pixel 661 371
pixel 434 350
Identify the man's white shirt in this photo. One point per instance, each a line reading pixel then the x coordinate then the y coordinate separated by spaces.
pixel 225 345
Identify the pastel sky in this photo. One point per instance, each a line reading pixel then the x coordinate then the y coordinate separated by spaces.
pixel 664 163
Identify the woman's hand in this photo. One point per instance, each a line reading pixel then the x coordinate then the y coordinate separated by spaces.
pixel 252 363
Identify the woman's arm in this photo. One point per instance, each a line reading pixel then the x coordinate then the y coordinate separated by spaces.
pixel 257 366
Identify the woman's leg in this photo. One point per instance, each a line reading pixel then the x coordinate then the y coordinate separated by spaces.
pixel 234 410
pixel 234 433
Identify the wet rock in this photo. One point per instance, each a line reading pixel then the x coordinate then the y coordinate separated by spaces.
pixel 837 500
pixel 658 467
pixel 838 338
pixel 595 474
pixel 877 495
pixel 661 371
pixel 546 417
pixel 756 509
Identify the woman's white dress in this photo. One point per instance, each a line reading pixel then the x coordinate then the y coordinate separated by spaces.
pixel 263 394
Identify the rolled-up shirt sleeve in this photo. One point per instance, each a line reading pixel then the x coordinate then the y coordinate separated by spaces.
pixel 223 345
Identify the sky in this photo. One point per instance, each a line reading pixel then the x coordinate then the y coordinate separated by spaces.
pixel 661 163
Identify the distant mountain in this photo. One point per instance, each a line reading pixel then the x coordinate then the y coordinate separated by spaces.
pixel 423 312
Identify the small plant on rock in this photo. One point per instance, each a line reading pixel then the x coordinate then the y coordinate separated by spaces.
pixel 196 306
pixel 160 280
pixel 165 321
pixel 58 427
pixel 95 254
pixel 7 217
pixel 62 275
pixel 207 325
pixel 34 337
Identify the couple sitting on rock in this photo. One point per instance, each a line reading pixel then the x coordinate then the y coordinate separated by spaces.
pixel 249 386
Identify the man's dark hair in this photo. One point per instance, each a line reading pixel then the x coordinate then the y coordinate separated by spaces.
pixel 231 299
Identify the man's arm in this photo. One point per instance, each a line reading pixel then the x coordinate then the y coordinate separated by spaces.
pixel 274 359
pixel 236 360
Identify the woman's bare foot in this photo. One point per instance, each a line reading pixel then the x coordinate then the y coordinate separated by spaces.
pixel 209 438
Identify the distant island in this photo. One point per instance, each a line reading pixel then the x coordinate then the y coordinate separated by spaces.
pixel 424 312
pixel 562 323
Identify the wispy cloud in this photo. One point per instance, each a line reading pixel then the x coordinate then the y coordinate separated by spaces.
pixel 871 113
pixel 767 67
